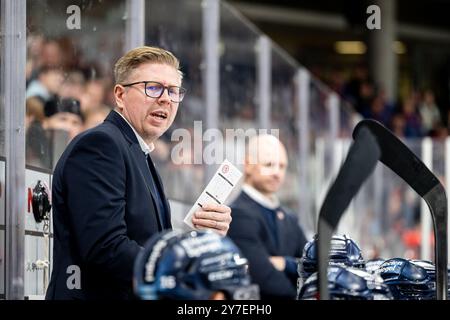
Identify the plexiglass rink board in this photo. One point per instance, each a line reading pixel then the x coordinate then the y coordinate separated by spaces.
pixel 178 211
pixel 35 281
pixel 2 229
pixel 2 263
pixel 2 193
pixel 183 173
pixel 36 246
pixel 284 122
pixel 384 217
pixel 80 41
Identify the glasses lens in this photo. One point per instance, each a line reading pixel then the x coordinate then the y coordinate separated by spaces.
pixel 154 89
pixel 177 93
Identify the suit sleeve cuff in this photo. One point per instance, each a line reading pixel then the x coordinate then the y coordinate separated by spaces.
pixel 291 266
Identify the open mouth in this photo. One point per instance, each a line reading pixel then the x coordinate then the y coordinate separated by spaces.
pixel 159 114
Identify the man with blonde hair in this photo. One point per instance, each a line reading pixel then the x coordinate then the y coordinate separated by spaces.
pixel 108 198
pixel 268 234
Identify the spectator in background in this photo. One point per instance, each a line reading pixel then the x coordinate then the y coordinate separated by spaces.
pixel 42 54
pixel 52 55
pixel 268 234
pixel 398 124
pixel 37 144
pixel 359 89
pixel 429 112
pixel 379 109
pixel 366 96
pixel 34 50
pixel 47 84
pixel 93 96
pixel 73 85
pixel 413 123
pixel 337 81
pixel 34 111
pixel 64 114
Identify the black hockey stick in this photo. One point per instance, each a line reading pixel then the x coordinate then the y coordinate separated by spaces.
pixel 359 164
pixel 400 159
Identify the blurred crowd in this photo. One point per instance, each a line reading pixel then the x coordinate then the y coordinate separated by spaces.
pixel 67 93
pixel 64 95
pixel 415 115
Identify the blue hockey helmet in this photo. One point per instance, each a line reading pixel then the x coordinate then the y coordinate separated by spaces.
pixel 428 266
pixel 373 265
pixel 192 266
pixel 375 283
pixel 430 269
pixel 407 280
pixel 343 284
pixel 343 252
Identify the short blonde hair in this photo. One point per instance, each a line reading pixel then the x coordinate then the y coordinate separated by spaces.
pixel 137 56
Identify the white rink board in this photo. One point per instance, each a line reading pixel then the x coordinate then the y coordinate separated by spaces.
pixel 34 279
pixel 2 193
pixel 2 262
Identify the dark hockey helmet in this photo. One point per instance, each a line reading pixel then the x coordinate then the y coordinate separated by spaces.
pixel 428 266
pixel 375 283
pixel 407 280
pixel 343 284
pixel 192 266
pixel 343 252
pixel 430 269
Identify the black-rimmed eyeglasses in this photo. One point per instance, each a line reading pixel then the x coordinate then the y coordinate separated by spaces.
pixel 155 89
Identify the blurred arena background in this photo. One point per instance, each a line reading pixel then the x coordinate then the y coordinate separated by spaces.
pixel 311 69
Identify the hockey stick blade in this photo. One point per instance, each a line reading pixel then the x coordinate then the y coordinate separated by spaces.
pixel 400 159
pixel 361 160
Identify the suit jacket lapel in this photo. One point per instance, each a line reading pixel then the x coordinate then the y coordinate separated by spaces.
pixel 146 175
pixel 124 127
pixel 160 187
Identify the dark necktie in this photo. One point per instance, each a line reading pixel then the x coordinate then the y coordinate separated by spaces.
pixel 156 192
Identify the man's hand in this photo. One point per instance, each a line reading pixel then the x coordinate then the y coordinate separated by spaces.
pixel 278 262
pixel 216 217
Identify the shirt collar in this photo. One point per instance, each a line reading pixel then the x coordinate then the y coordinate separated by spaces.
pixel 144 146
pixel 271 203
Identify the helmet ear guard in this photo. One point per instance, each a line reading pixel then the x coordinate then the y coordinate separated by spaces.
pixel 343 252
pixel 192 266
pixel 407 280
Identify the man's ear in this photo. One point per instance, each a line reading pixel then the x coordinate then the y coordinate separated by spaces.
pixel 119 92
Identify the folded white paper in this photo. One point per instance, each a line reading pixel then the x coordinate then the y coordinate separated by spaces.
pixel 218 188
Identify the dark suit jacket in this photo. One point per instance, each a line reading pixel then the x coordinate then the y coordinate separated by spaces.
pixel 103 212
pixel 250 231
